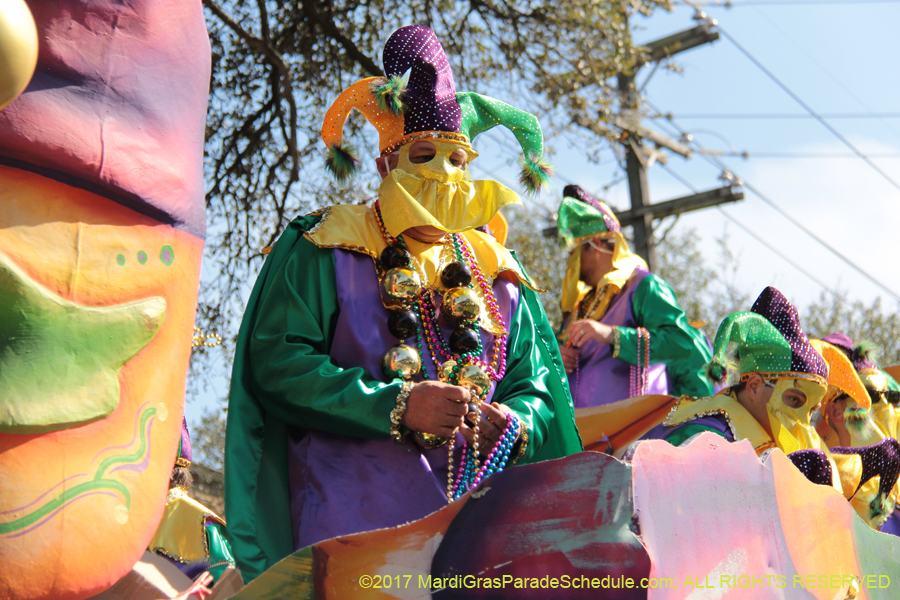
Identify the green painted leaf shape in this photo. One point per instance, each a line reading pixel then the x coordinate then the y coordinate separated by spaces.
pixel 59 360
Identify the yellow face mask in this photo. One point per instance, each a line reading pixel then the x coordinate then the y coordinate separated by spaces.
pixel 438 194
pixel 885 415
pixel 791 428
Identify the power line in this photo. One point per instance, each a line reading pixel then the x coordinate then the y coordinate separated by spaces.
pixel 837 80
pixel 750 154
pixel 888 115
pixel 730 4
pixel 719 164
pixel 809 109
pixel 749 232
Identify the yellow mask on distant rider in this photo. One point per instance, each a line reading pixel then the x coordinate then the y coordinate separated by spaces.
pixel 438 194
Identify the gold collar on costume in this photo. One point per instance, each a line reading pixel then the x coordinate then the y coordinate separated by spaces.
pixel 355 227
pixel 741 424
pixel 181 535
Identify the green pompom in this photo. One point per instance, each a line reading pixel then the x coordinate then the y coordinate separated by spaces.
pixel 535 175
pixel 716 371
pixel 389 94
pixel 342 162
pixel 881 507
pixel 858 420
pixel 867 351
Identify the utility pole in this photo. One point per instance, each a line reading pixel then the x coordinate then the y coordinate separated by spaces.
pixel 638 159
pixel 637 177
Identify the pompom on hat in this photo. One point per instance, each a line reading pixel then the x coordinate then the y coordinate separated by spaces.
pixel 417 100
pixel 860 355
pixel 767 340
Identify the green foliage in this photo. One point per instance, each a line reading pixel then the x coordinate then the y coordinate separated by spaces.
pixel 707 292
pixel 208 439
pixel 543 257
pixel 864 323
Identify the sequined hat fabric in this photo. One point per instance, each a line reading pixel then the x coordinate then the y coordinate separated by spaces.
pixel 431 93
pixel 748 343
pixel 418 100
pixel 842 377
pixel 610 222
pixel 581 217
pixel 772 305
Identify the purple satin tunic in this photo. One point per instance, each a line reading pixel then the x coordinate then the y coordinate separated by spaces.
pixel 601 379
pixel 341 485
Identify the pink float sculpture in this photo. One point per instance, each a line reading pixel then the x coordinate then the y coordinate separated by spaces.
pixel 101 236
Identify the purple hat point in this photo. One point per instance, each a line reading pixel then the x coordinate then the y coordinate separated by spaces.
pixel 845 343
pixel 185 449
pixel 772 305
pixel 430 93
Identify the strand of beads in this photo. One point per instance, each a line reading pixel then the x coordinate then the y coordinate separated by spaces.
pixel 471 476
pixel 402 285
pixel 645 372
pixel 458 361
pixel 577 374
pixel 497 459
pixel 497 369
pixel 640 372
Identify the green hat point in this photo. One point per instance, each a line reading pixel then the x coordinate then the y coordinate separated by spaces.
pixel 481 113
pixel 576 221
pixel 747 342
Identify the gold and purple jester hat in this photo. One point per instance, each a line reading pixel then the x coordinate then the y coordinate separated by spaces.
pixel 582 217
pixel 417 100
pixel 102 219
pixel 766 340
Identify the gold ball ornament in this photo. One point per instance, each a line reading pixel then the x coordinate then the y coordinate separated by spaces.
pixel 461 304
pixel 473 377
pixel 401 284
pixel 446 371
pixel 401 361
pixel 431 440
pixel 18 49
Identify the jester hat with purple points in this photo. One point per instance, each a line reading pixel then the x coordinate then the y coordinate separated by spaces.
pixel 417 100
pixel 768 341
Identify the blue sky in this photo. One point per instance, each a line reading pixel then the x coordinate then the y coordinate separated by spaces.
pixel 839 58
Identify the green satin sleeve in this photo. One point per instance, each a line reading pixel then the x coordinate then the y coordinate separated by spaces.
pixel 293 376
pixel 525 388
pixel 220 557
pixel 673 342
pixel 282 375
